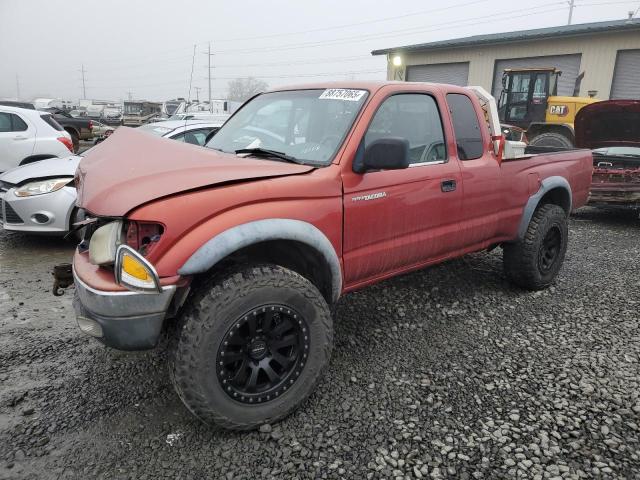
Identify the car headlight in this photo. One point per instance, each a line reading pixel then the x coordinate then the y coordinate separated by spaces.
pixel 105 242
pixel 135 272
pixel 42 186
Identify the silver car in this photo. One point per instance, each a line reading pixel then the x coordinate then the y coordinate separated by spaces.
pixel 40 197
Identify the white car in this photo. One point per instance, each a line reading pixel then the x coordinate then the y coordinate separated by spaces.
pixel 40 198
pixel 27 136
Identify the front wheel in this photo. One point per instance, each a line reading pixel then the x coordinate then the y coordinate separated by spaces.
pixel 251 346
pixel 534 262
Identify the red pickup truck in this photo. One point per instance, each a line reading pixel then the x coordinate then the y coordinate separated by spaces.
pixel 240 249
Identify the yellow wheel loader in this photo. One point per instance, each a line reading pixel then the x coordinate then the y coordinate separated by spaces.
pixel 530 100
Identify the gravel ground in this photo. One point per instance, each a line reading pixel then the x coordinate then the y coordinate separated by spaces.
pixel 444 373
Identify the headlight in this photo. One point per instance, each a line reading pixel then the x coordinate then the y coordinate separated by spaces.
pixel 135 272
pixel 41 187
pixel 104 243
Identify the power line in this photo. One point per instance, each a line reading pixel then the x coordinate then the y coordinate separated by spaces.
pixel 396 33
pixel 356 24
pixel 314 30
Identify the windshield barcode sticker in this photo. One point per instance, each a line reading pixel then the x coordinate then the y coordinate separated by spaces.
pixel 342 94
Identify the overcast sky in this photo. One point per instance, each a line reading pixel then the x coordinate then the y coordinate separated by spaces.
pixel 146 46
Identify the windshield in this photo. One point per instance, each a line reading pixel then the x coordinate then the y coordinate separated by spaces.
pixel 157 130
pixel 309 125
pixel 132 108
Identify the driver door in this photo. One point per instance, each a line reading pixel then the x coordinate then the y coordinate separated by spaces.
pixel 396 219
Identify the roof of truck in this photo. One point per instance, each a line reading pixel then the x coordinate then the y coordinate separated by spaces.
pixel 370 85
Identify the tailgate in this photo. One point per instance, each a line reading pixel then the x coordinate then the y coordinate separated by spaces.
pixel 614 169
pixel 615 180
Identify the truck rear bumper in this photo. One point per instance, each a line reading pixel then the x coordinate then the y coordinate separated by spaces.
pixel 122 320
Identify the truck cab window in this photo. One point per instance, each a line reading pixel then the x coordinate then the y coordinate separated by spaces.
pixel 414 117
pixel 465 126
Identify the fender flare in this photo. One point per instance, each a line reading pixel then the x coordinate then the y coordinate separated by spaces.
pixel 548 184
pixel 244 235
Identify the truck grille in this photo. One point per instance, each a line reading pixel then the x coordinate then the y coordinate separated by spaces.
pixel 9 214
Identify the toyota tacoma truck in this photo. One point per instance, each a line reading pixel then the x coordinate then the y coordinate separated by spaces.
pixel 239 251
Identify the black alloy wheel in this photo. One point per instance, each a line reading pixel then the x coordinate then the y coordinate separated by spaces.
pixel 263 353
pixel 550 249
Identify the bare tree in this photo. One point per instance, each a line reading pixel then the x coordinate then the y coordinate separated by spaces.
pixel 242 88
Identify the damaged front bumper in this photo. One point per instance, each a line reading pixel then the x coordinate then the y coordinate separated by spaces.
pixel 123 320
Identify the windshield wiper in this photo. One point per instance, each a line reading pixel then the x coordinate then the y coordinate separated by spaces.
pixel 265 152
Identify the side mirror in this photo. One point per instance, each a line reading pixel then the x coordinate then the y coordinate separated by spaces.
pixel 390 153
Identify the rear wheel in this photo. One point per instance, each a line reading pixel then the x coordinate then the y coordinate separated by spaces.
pixel 251 347
pixel 551 139
pixel 534 262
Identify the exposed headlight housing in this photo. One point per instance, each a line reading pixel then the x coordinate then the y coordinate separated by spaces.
pixel 104 243
pixel 41 187
pixel 134 272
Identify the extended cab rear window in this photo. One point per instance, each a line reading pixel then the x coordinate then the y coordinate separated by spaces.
pixel 52 121
pixel 465 126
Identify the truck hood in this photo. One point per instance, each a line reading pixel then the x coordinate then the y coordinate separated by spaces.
pixel 132 168
pixel 607 124
pixel 52 167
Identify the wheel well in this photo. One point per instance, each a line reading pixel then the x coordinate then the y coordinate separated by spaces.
pixel 557 196
pixel 536 129
pixel 297 256
pixel 36 158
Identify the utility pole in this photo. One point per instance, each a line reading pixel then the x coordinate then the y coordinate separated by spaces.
pixel 17 87
pixel 130 95
pixel 571 7
pixel 84 87
pixel 197 89
pixel 209 55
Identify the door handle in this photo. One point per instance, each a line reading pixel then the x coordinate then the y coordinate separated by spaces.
pixel 19 137
pixel 448 185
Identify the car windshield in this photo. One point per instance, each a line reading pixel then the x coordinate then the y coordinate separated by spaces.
pixel 157 130
pixel 307 125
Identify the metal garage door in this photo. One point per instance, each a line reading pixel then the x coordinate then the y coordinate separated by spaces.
pixel 626 76
pixel 569 64
pixel 453 73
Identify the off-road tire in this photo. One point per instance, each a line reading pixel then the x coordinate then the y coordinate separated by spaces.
pixel 551 139
pixel 522 259
pixel 212 309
